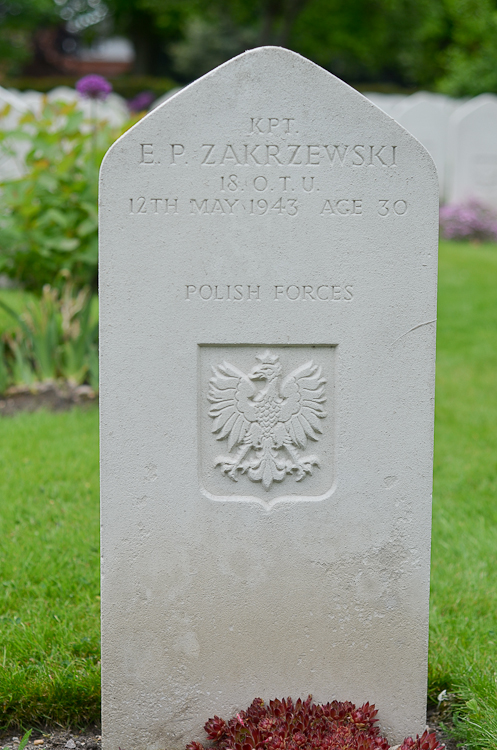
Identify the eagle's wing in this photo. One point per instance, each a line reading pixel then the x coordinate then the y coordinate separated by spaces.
pixel 232 409
pixel 302 408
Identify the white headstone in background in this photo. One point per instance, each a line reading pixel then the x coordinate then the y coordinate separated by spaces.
pixel 386 102
pixel 267 291
pixel 426 116
pixel 473 149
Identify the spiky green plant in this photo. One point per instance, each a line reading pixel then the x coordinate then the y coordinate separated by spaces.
pixel 56 339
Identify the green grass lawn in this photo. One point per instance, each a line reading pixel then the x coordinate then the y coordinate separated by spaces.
pixel 463 616
pixel 49 563
pixel 49 531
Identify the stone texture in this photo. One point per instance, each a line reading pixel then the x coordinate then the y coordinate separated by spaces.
pixel 268 276
pixel 473 149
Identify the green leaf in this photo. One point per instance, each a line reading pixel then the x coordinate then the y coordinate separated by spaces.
pixel 55 216
pixel 25 740
pixel 472 705
pixel 48 182
pixel 65 244
pixel 4 373
pixel 86 227
pixel 11 312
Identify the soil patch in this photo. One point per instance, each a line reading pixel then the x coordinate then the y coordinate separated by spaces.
pixel 50 396
pixel 438 716
pixel 90 739
pixel 55 739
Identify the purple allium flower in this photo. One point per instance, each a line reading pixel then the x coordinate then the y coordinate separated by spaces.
pixel 141 101
pixel 93 87
pixel 472 220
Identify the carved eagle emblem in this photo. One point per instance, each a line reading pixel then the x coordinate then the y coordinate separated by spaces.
pixel 268 425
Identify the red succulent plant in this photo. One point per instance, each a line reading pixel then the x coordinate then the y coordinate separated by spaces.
pixel 304 725
pixel 427 741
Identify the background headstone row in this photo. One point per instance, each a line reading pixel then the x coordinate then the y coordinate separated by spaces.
pixel 461 136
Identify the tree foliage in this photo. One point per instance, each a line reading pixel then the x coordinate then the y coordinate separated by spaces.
pixel 18 19
pixel 470 57
pixel 448 45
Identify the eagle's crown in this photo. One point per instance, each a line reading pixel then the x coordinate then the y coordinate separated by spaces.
pixel 267 358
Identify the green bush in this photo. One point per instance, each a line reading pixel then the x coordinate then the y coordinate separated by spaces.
pixel 56 339
pixel 48 217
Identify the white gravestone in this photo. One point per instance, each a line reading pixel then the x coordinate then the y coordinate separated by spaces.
pixel 473 149
pixel 268 283
pixel 426 116
pixel 386 102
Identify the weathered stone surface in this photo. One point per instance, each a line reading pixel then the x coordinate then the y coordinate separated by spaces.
pixel 268 278
pixel 473 150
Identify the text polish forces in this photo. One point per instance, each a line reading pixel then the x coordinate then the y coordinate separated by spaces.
pixel 277 292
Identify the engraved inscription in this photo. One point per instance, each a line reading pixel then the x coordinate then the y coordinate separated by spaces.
pixel 252 207
pixel 232 202
pixel 276 293
pixel 224 292
pixel 261 125
pixel 173 153
pixel 213 205
pixel 280 154
pixel 281 206
pixel 142 205
pixel 321 292
pixel 298 155
pixel 260 183
pixel 342 207
pixel 257 152
pixel 270 426
pixel 147 153
pixel 386 207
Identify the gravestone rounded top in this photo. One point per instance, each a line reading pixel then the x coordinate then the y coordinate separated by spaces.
pixel 477 117
pixel 472 140
pixel 266 77
pixel 426 116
